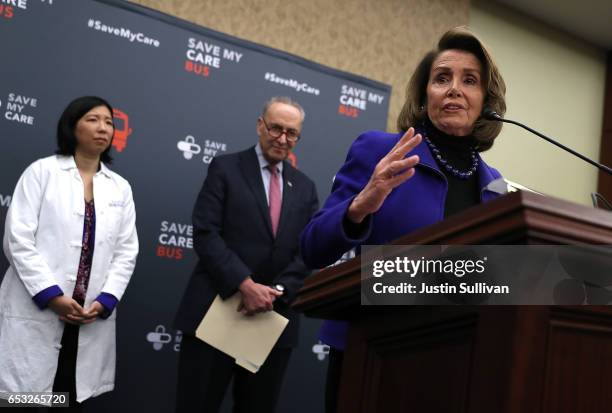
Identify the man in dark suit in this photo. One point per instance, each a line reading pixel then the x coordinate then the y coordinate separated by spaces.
pixel 246 221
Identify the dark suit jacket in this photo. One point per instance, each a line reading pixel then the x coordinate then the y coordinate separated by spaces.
pixel 233 238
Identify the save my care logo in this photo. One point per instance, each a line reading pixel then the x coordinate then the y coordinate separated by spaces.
pixel 159 337
pixel 354 100
pixel 8 8
pixel 203 57
pixel 189 147
pixel 174 238
pixel 19 108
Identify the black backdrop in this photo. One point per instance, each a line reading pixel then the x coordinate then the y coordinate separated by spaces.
pixel 183 94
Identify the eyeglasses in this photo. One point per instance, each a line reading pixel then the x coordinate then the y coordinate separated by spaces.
pixel 276 131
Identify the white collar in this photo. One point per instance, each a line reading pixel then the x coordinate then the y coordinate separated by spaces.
pixel 67 162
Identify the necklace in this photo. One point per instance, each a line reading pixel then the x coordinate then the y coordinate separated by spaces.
pixel 451 169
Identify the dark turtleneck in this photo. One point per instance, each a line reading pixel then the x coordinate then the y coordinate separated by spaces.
pixel 462 193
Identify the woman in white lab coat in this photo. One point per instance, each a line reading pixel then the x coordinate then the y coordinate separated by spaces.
pixel 70 239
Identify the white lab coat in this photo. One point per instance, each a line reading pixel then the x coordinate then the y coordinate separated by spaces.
pixel 42 241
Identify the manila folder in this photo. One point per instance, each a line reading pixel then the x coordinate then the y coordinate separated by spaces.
pixel 248 339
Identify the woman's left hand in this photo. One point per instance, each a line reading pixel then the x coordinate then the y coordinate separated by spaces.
pixel 89 315
pixel 92 313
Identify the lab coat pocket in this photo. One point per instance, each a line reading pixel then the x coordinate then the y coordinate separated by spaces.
pixel 112 224
pixel 30 350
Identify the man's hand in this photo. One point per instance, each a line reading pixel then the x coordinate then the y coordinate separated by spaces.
pixel 68 309
pixel 256 298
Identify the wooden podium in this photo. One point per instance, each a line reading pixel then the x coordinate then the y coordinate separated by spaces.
pixel 489 359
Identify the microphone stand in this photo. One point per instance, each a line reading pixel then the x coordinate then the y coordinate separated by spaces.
pixel 595 197
pixel 491 115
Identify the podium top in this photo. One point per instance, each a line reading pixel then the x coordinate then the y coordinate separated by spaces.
pixel 516 218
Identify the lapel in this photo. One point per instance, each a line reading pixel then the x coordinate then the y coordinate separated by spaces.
pixel 249 166
pixel 289 194
pixel 485 177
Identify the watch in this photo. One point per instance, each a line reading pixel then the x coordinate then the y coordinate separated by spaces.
pixel 279 287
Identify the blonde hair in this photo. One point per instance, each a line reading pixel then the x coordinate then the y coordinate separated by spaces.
pixel 460 38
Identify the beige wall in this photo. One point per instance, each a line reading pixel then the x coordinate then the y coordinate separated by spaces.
pixel 380 39
pixel 555 82
pixel 555 85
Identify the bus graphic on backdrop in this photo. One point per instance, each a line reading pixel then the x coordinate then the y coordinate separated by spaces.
pixel 292 159
pixel 122 129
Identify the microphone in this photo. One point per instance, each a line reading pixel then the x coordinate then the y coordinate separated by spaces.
pixel 490 114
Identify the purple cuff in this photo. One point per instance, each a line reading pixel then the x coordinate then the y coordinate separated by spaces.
pixel 42 298
pixel 109 302
pixel 333 333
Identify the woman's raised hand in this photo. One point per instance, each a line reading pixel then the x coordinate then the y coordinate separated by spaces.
pixel 393 170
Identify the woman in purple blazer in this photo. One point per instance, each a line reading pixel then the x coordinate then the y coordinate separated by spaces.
pixel 393 184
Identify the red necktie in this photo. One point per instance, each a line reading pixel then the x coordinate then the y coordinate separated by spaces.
pixel 275 198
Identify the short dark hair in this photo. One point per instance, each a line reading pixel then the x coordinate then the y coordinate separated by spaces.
pixel 459 38
pixel 66 139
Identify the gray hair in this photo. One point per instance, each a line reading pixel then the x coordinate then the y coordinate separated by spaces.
pixel 287 101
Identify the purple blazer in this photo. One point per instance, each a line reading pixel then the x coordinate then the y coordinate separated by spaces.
pixel 417 203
